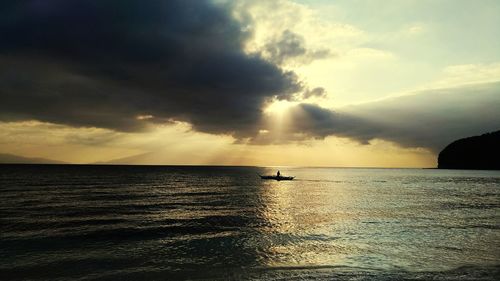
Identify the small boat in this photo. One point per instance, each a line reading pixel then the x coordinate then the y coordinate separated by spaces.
pixel 278 178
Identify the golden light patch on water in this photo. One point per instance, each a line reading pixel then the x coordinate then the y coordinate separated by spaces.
pixel 309 253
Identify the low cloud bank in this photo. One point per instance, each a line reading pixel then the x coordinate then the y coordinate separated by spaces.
pixel 429 119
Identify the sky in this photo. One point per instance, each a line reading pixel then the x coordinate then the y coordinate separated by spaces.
pixel 355 83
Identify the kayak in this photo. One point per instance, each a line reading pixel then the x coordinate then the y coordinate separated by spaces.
pixel 278 178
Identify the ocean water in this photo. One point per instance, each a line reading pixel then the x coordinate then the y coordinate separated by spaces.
pixel 224 223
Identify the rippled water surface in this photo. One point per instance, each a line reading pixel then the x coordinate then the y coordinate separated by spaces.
pixel 175 223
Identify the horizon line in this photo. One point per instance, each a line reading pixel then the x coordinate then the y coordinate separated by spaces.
pixel 212 165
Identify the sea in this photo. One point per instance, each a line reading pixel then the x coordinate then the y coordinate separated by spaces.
pixel 98 222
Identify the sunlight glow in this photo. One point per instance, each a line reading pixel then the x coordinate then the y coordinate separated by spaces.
pixel 144 117
pixel 279 107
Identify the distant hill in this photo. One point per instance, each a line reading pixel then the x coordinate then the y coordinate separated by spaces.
pixel 478 153
pixel 130 160
pixel 14 159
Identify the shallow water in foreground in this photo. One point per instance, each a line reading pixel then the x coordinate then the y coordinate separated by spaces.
pixel 174 223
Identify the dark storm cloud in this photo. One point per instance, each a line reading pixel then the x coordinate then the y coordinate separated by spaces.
pixel 103 63
pixel 429 119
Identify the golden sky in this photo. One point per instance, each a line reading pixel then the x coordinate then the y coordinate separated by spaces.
pixel 267 83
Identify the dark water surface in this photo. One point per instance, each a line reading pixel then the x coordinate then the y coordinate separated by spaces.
pixel 175 223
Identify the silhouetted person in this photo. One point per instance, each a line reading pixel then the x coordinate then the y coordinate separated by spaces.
pixel 278 173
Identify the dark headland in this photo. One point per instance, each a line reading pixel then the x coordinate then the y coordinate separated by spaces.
pixel 474 153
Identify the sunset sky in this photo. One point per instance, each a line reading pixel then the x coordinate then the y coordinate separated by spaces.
pixel 377 83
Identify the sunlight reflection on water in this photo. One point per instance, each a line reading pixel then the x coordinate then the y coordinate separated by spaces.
pixel 216 222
